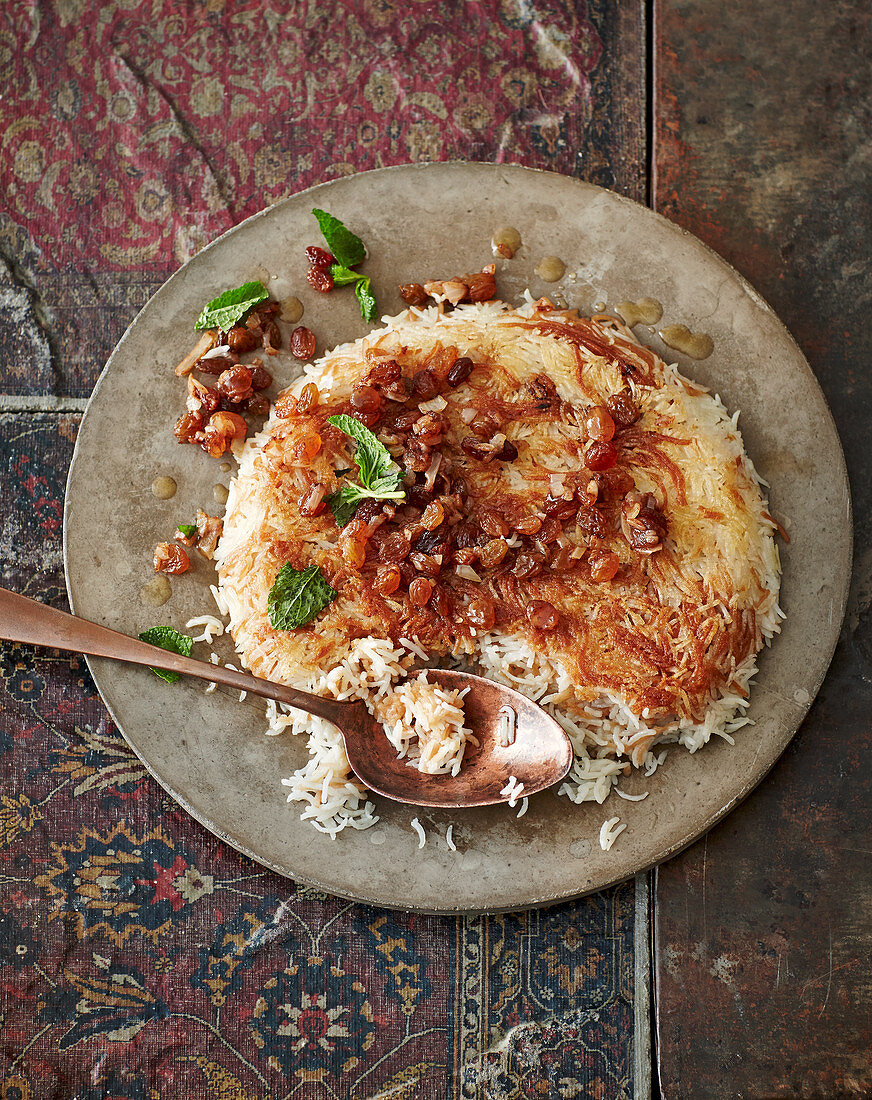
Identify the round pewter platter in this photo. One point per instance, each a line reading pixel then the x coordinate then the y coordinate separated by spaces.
pixel 428 221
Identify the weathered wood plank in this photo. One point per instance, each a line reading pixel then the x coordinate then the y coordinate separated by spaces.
pixel 764 929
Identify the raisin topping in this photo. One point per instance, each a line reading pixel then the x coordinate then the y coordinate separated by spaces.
pixel 170 559
pixel 643 524
pixel 624 409
pixel 413 294
pixel 303 343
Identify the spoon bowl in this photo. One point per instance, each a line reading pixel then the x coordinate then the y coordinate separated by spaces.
pixel 538 753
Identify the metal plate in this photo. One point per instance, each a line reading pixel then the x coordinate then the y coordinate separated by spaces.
pixel 210 752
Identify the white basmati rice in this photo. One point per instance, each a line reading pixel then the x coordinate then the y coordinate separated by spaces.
pixel 609 832
pixel 212 628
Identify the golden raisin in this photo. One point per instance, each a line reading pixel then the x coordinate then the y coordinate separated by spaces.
pixel 420 591
pixel 528 525
pixel 604 564
pixel 309 398
pixel 433 515
pixel 542 615
pixel 480 613
pixel 170 559
pixel 599 424
pixel 493 552
pixel 354 552
pixel 493 524
pixel 601 456
pixel 387 580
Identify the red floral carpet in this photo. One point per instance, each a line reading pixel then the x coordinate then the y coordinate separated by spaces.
pixel 140 957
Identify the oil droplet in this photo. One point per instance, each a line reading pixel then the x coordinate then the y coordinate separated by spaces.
pixel 225 467
pixel 164 488
pixel 377 838
pixel 506 242
pixel 261 273
pixel 156 592
pixel 647 311
pixel 698 345
pixel 580 849
pixel 291 310
pixel 551 269
pixel 220 493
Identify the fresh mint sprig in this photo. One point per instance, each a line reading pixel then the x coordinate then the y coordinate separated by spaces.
pixel 187 529
pixel 348 248
pixel 380 477
pixel 349 251
pixel 297 596
pixel 229 308
pixel 167 638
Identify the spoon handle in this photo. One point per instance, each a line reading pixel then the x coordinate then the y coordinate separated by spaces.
pixel 26 620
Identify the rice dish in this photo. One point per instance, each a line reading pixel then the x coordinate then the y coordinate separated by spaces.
pixel 601 543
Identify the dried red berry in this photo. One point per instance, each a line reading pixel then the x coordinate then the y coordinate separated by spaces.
pixel 319 257
pixel 320 278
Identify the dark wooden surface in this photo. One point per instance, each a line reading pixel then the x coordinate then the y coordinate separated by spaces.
pixel 763 148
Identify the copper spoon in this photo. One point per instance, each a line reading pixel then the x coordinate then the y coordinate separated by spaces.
pixel 539 756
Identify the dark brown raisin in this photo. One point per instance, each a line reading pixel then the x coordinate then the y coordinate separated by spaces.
pixel 242 339
pixel 215 364
pixel 461 370
pixel 624 409
pixel 424 385
pixel 303 343
pixel 235 384
pixel 558 507
pixel 413 294
pixel 260 377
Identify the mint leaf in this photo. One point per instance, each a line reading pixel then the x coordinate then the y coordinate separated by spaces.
pixel 167 638
pixel 380 476
pixel 229 308
pixel 343 504
pixel 187 529
pixel 368 308
pixel 345 246
pixel 297 596
pixel 342 276
pixel 372 457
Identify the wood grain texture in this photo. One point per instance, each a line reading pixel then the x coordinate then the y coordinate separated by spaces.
pixel 764 929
